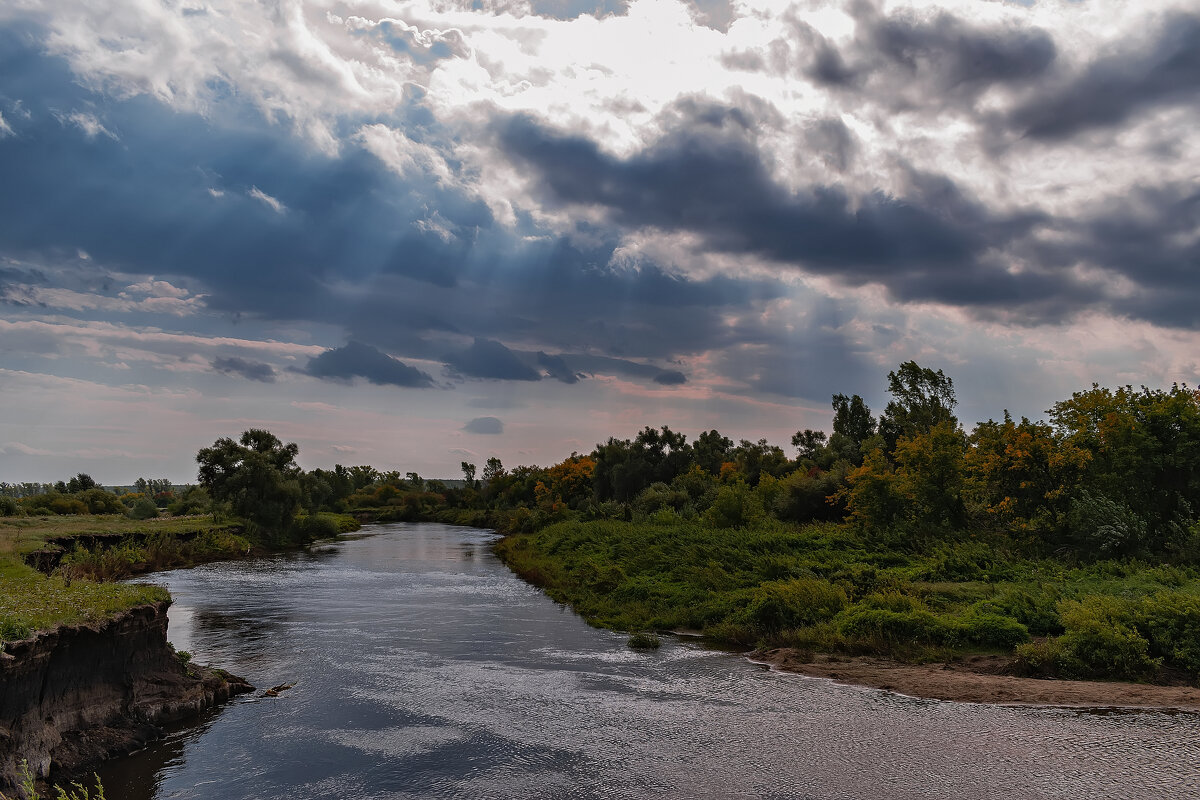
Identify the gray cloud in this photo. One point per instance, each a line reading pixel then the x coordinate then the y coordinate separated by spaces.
pixel 1157 70
pixel 670 378
pixel 484 425
pixel 358 360
pixel 907 59
pixel 709 178
pixel 487 358
pixel 251 370
pixel 557 368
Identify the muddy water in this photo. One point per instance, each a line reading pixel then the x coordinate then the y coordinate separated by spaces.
pixel 425 669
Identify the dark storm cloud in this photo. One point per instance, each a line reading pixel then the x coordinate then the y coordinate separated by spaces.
pixel 907 59
pixel 955 55
pixel 670 378
pixel 352 244
pixel 358 360
pixel 557 368
pixel 250 370
pixel 176 189
pixel 487 358
pixel 935 243
pixel 484 425
pixel 1161 69
pixel 701 179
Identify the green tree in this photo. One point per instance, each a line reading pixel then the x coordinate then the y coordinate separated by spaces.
pixel 852 425
pixel 259 479
pixel 921 398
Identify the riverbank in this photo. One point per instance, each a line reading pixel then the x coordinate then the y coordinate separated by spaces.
pixel 76 694
pixel 976 679
pixel 86 671
pixel 821 589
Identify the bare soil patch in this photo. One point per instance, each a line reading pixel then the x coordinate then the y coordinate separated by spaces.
pixel 978 679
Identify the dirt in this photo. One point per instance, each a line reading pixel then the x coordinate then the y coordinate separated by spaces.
pixel 977 679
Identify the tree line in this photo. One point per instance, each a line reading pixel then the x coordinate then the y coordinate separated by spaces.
pixel 1108 473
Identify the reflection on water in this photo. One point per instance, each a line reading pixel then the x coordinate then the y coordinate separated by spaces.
pixel 425 669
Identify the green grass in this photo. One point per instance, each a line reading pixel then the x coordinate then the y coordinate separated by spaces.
pixel 819 588
pixel 31 601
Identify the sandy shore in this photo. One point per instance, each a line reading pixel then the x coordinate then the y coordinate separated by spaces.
pixel 978 679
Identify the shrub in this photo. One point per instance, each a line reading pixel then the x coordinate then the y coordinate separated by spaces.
pixel 1037 612
pixel 642 640
pixel 1171 621
pixel 895 627
pixel 315 526
pixel 991 630
pixel 965 562
pixel 797 603
pixel 10 507
pixel 143 508
pixel 1039 659
pixel 735 506
pixel 1101 640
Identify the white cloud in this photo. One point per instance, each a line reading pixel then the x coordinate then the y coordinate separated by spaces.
pixel 89 124
pixel 267 200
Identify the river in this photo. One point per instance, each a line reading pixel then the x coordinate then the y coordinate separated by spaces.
pixel 424 669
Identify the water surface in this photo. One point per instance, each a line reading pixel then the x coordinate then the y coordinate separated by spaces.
pixel 425 669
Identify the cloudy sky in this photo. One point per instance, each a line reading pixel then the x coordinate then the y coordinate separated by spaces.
pixel 409 234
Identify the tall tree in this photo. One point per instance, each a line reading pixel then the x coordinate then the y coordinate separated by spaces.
pixel 921 399
pixel 257 476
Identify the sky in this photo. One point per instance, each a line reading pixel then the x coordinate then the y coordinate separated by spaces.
pixel 411 234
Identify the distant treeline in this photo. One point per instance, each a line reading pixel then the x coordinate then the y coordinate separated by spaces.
pixel 1110 473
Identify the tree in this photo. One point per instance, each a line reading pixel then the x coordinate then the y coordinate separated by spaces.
pixel 80 483
pixel 809 444
pixel 492 470
pixel 711 450
pixel 468 471
pixel 922 398
pixel 852 425
pixel 258 477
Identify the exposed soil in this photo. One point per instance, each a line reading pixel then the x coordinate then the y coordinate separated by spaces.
pixel 977 679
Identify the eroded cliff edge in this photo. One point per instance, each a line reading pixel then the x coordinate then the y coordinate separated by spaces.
pixel 73 696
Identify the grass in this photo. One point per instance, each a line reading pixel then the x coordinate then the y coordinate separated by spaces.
pixel 31 601
pixel 820 588
pixel 78 791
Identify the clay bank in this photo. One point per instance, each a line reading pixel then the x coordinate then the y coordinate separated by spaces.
pixel 77 694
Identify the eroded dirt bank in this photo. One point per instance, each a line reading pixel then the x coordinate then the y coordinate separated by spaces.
pixel 73 696
pixel 978 679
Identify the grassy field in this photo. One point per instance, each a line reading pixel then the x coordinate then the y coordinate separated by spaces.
pixel 31 601
pixel 90 552
pixel 818 588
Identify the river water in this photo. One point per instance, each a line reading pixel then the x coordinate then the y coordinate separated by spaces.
pixel 425 669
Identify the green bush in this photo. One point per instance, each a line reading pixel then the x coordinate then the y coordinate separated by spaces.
pixel 9 507
pixel 13 630
pixel 1039 659
pixel 1171 621
pixel 735 506
pixel 796 603
pixel 991 630
pixel 1038 612
pixel 898 627
pixel 1101 640
pixel 316 526
pixel 642 640
pixel 975 561
pixel 143 508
